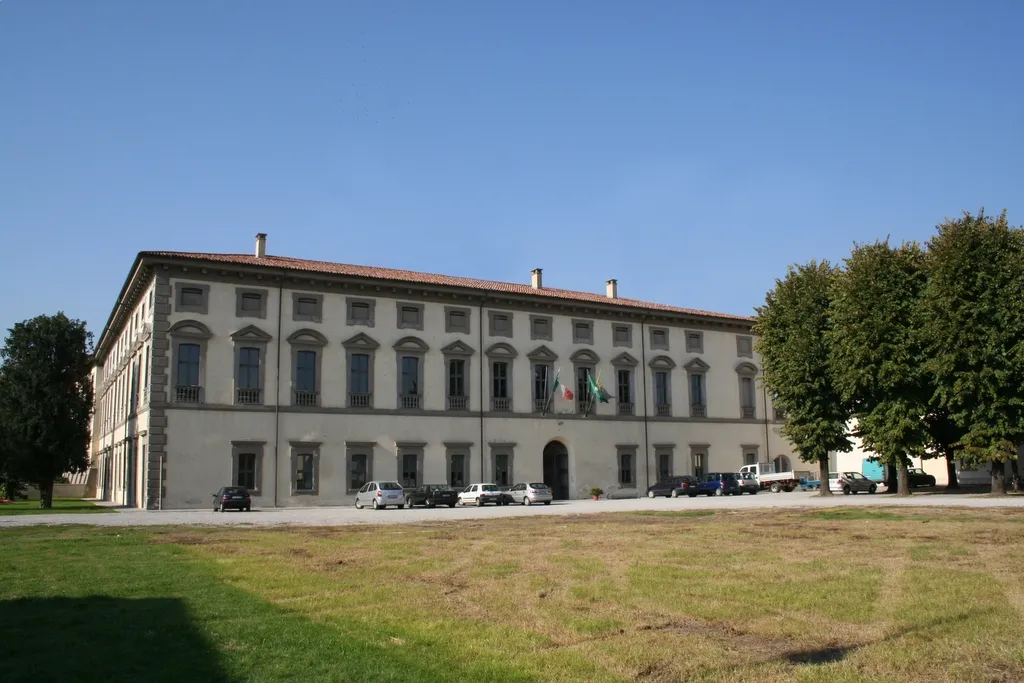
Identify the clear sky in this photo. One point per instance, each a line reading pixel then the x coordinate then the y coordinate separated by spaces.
pixel 691 150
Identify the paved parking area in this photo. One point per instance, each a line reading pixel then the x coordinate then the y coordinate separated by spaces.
pixel 341 516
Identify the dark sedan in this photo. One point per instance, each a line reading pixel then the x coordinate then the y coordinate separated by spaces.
pixel 432 495
pixel 916 477
pixel 231 498
pixel 673 487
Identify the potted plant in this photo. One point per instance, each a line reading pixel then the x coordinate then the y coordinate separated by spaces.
pixel 595 492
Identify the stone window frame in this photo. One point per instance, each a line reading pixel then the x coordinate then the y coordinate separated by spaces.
pixel 404 448
pixel 750 449
pixel 744 346
pixel 584 339
pixel 746 371
pixel 492 329
pixel 661 449
pixel 400 307
pixel 548 320
pixel 239 448
pixel 583 359
pixel 626 449
pixel 628 341
pixel 458 350
pixel 372 312
pixel 697 367
pixel 503 448
pixel 240 295
pixel 187 332
pixel 353 448
pixel 304 448
pixel 317 316
pixel 410 347
pixel 627 362
pixel 250 336
pixel 666 365
pixel 307 340
pixel 500 352
pixel 703 450
pixel 694 341
pixel 541 355
pixel 360 344
pixel 453 448
pixel 658 346
pixel 179 289
pixel 467 317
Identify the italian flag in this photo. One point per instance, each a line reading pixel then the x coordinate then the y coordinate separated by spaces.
pixel 558 386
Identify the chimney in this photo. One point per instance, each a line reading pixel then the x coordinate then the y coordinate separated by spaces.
pixel 612 289
pixel 261 244
pixel 538 281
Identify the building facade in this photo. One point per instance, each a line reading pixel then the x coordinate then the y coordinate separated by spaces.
pixel 301 380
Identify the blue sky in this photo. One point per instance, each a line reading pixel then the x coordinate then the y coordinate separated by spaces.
pixel 691 150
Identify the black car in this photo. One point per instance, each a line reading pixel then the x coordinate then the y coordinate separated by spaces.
pixel 673 487
pixel 432 495
pixel 915 477
pixel 232 497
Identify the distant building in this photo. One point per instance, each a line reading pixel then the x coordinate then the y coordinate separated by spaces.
pixel 301 380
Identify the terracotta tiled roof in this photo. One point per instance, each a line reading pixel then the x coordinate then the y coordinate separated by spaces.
pixel 413 277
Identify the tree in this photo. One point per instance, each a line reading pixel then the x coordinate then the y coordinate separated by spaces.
pixel 974 323
pixel 46 400
pixel 877 357
pixel 944 440
pixel 791 328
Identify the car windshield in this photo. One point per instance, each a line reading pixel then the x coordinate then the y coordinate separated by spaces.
pixel 234 490
pixel 489 487
pixel 538 486
pixel 833 475
pixel 390 486
pixel 440 489
pixel 914 470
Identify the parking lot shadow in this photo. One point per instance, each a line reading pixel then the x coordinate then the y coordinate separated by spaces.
pixel 102 639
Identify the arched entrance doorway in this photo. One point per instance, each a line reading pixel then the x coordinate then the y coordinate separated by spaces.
pixel 556 469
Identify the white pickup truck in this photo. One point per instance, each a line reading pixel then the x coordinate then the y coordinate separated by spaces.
pixel 768 478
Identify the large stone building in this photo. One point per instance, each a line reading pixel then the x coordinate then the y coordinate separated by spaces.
pixel 302 379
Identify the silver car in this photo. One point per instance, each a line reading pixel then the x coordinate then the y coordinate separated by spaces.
pixel 380 494
pixel 850 482
pixel 528 494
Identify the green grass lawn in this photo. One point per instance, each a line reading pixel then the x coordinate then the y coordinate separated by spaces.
pixel 741 597
pixel 61 506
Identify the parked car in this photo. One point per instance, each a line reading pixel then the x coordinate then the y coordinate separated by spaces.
pixel 673 487
pixel 480 495
pixel 380 494
pixel 850 482
pixel 232 498
pixel 748 483
pixel 916 477
pixel 528 494
pixel 768 478
pixel 718 484
pixel 432 495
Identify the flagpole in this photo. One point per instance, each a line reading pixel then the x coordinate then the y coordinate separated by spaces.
pixel 551 392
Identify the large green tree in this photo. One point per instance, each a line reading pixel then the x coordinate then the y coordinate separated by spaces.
pixel 877 355
pixel 791 327
pixel 974 323
pixel 945 439
pixel 46 400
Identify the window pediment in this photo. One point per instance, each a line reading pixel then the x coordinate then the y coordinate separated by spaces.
pixel 501 350
pixel 361 341
pixel 251 333
pixel 625 359
pixel 662 363
pixel 308 337
pixel 411 344
pixel 585 356
pixel 542 353
pixel 697 365
pixel 190 328
pixel 458 348
pixel 747 369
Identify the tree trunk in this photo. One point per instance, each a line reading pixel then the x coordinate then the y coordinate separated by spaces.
pixel 951 480
pixel 1015 475
pixel 998 478
pixel 892 479
pixel 46 495
pixel 903 477
pixel 823 489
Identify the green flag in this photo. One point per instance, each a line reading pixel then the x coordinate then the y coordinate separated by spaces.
pixel 597 390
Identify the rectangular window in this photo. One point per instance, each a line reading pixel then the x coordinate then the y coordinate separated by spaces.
pixel 582 387
pixel 501 324
pixel 359 374
pixel 622 335
pixel 501 469
pixel 457 377
pixel 248 368
pixel 625 385
pixel 305 371
pixel 145 371
pixel 360 311
pixel 661 395
pixel 191 297
pixel 697 389
pixel 750 458
pixel 541 381
pixel 188 365
pixel 307 307
pixel 409 316
pixel 357 471
pixel 695 342
pixel 744 347
pixel 410 376
pixel 304 472
pixel 540 327
pixel 456 320
pixel 410 470
pixel 457 471
pixel 499 376
pixel 582 332
pixel 626 469
pixel 664 466
pixel 698 463
pixel 748 399
pixel 659 338
pixel 246 471
pixel 251 303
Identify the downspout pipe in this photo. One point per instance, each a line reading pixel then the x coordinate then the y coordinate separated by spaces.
pixel 480 343
pixel 767 442
pixel 277 383
pixel 643 373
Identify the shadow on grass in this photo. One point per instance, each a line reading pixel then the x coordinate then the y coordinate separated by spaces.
pixel 61 506
pixel 103 639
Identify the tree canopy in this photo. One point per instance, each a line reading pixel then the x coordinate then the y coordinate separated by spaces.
pixel 45 400
pixel 791 327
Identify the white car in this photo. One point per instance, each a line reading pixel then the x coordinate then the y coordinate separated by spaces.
pixel 380 494
pixel 480 495
pixel 850 482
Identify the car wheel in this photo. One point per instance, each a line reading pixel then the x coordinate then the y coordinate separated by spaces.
pixel 215 509
pixel 376 505
pixel 872 489
pixel 527 501
pixel 248 508
pixel 846 491
pixel 753 492
pixel 401 505
pixel 650 494
pixel 776 488
pixel 359 506
pixel 692 495
pixel 479 502
pixel 431 504
pixel 674 494
pixel 719 492
pixel 451 505
pixel 547 502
